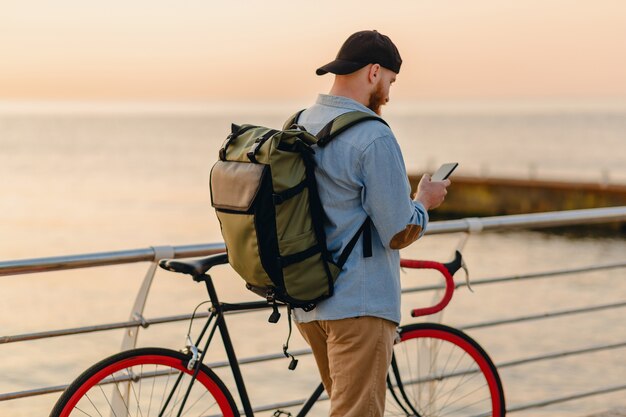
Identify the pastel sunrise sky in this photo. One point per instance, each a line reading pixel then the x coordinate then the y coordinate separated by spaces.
pixel 213 50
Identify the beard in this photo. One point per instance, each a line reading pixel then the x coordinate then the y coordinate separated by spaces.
pixel 377 100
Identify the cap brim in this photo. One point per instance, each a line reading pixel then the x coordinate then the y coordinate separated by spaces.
pixel 340 67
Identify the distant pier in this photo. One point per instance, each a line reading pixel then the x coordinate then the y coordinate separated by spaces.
pixel 480 196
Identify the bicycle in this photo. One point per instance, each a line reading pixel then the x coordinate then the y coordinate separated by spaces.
pixel 436 370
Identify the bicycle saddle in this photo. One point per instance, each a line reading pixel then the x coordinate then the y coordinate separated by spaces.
pixel 194 267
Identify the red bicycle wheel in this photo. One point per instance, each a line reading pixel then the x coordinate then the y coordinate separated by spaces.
pixel 145 382
pixel 440 371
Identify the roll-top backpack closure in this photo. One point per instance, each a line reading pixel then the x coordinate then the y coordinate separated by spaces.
pixel 257 145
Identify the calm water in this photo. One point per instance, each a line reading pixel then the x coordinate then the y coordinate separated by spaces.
pixel 80 183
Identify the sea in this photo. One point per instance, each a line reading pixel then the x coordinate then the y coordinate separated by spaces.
pixel 87 178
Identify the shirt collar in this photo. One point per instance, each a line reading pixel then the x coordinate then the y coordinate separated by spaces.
pixel 342 102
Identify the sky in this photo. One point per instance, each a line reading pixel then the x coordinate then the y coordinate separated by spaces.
pixel 160 50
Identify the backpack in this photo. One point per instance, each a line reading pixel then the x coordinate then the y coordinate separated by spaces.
pixel 264 191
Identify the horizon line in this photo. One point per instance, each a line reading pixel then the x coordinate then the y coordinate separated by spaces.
pixel 272 106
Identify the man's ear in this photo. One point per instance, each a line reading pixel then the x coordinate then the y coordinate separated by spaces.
pixel 374 73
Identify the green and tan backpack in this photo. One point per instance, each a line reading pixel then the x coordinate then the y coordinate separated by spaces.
pixel 264 191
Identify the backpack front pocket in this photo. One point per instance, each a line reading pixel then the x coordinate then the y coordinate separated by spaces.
pixel 235 185
pixel 239 195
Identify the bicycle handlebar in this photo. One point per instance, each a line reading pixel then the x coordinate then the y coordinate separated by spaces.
pixel 447 270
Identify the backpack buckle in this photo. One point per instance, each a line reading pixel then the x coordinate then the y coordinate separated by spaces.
pixel 258 143
pixel 252 153
pixel 231 136
pixel 278 199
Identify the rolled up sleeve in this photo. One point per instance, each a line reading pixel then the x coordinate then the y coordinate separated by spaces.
pixel 386 194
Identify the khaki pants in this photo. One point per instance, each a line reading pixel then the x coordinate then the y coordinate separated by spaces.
pixel 353 356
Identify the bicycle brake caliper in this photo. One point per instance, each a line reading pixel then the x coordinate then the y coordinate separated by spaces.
pixel 193 350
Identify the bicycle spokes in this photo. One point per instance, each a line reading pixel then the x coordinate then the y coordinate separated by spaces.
pixel 439 372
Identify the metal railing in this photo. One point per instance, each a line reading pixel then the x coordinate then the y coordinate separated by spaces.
pixel 470 225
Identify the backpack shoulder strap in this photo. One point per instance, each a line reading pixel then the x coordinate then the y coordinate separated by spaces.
pixel 366 231
pixel 336 126
pixel 292 120
pixel 343 122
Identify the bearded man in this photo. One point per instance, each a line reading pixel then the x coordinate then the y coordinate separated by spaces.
pixel 361 174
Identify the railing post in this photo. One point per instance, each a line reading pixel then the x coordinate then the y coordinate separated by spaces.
pixel 130 336
pixel 121 395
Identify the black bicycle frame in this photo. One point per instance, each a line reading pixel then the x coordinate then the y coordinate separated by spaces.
pixel 218 310
pixel 217 313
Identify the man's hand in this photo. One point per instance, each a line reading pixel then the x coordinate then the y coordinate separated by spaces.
pixel 431 193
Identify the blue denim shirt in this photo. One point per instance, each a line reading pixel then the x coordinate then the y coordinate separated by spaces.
pixel 361 173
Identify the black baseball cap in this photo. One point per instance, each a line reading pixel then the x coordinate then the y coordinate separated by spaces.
pixel 363 48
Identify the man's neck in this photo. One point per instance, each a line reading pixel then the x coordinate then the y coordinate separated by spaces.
pixel 350 91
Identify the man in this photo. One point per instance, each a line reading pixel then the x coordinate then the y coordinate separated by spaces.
pixel 361 173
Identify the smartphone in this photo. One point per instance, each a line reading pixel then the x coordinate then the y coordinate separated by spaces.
pixel 444 171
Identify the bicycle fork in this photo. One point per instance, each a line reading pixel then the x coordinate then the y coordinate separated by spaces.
pixel 398 389
pixel 194 363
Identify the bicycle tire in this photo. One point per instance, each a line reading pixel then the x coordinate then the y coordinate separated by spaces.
pixel 440 371
pixel 99 391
